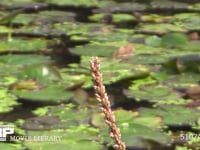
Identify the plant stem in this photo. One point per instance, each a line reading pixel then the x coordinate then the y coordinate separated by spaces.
pixel 104 104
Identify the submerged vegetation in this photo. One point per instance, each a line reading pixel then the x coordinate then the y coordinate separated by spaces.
pixel 150 63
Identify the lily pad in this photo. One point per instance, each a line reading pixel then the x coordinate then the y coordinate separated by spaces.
pixel 171 115
pixel 183 63
pixel 155 18
pixel 10 146
pixel 169 5
pixel 189 21
pixel 72 3
pixel 21 59
pixel 23 19
pixel 66 139
pixel 139 136
pixel 7 101
pixel 174 40
pixel 22 45
pixel 160 28
pixel 154 41
pixel 124 7
pixel 42 73
pixel 94 50
pixel 116 17
pixel 51 94
pixel 112 70
pixel 58 29
pixel 158 93
pixel 182 81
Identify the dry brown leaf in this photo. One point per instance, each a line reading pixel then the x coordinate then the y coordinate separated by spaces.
pixel 193 36
pixel 124 51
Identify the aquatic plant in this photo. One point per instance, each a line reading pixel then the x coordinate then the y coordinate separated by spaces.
pixel 104 104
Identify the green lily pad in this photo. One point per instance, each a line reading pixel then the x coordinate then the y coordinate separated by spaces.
pixel 4 29
pixel 23 19
pixel 158 93
pixel 139 136
pixel 140 90
pixel 124 7
pixel 169 5
pixel 72 3
pixel 10 146
pixel 136 132
pixel 9 17
pixel 66 139
pixel 160 28
pixel 174 40
pixel 184 80
pixel 116 17
pixel 171 115
pixel 58 29
pixel 7 101
pixel 8 70
pixel 189 21
pixel 14 2
pixel 155 18
pixel 44 17
pixel 112 70
pixel 112 38
pixel 21 59
pixel 183 63
pixel 154 41
pixel 94 50
pixel 50 94
pixel 42 73
pixel 60 117
pixel 70 115
pixel 23 45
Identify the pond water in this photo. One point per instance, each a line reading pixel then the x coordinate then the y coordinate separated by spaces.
pixel 150 62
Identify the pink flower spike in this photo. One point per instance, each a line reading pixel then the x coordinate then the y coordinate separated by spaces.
pixel 104 104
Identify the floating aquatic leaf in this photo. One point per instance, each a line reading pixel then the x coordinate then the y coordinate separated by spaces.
pixel 140 136
pixel 7 101
pixel 154 41
pixel 52 94
pixel 174 40
pixel 171 115
pixel 42 73
pixel 189 21
pixel 22 45
pixel 67 139
pixel 10 146
pixel 182 81
pixel 113 71
pixel 116 18
pixel 169 5
pixel 158 94
pixel 183 63
pixel 21 59
pixel 94 50
pixel 160 28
